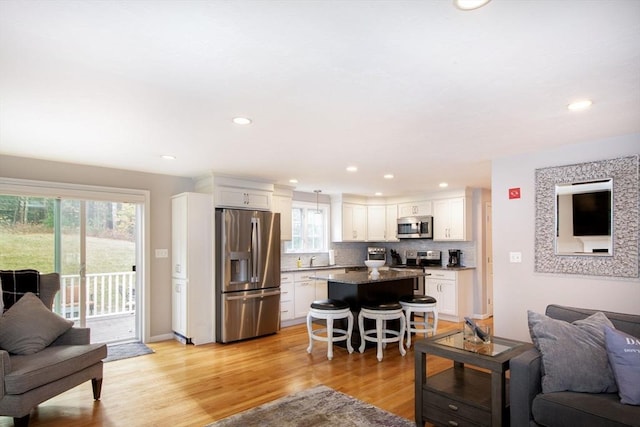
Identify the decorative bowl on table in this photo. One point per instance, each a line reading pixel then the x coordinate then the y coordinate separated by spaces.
pixel 374 264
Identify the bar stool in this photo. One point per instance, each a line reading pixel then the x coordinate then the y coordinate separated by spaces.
pixel 330 310
pixel 381 335
pixel 420 304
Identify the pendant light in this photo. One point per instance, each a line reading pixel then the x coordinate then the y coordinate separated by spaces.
pixel 317 204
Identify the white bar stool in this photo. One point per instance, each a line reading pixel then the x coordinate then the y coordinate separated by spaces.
pixel 329 310
pixel 420 304
pixel 381 335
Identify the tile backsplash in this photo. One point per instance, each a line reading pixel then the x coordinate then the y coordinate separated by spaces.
pixel 356 253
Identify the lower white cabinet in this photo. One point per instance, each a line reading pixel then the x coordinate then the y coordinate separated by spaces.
pixel 298 290
pixel 454 292
pixel 179 307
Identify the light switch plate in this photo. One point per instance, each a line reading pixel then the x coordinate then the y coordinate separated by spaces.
pixel 162 253
pixel 515 256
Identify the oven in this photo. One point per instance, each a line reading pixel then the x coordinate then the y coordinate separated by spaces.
pixel 378 254
pixel 412 263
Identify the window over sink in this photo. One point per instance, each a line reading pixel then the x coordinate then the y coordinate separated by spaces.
pixel 310 228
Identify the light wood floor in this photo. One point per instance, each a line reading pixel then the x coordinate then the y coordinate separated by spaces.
pixel 182 385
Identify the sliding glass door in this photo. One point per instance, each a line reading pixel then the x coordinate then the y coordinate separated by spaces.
pixel 92 244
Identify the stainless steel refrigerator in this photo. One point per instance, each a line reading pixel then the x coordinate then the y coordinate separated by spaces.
pixel 247 274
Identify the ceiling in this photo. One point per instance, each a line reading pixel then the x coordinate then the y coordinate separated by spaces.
pixel 419 89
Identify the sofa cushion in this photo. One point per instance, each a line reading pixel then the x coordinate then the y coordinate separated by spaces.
pixel 624 358
pixel 574 357
pixel 570 409
pixel 28 326
pixel 50 364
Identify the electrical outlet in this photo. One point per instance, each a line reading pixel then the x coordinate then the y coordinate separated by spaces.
pixel 515 256
pixel 162 253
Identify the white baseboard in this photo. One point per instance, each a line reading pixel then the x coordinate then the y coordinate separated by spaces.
pixel 481 316
pixel 163 337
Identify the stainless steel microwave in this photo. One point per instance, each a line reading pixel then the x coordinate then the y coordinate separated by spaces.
pixel 415 227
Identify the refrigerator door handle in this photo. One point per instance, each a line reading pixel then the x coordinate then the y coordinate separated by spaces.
pixel 256 249
pixel 254 296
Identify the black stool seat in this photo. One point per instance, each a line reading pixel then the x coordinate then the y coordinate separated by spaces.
pixel 382 306
pixel 418 299
pixel 329 304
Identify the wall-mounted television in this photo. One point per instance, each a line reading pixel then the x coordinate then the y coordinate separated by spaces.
pixel 592 213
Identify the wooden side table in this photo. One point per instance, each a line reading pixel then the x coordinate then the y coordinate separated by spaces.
pixel 461 395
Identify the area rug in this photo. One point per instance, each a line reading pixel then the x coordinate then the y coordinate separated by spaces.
pixel 126 350
pixel 319 406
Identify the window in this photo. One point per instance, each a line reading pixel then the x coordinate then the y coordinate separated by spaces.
pixel 310 228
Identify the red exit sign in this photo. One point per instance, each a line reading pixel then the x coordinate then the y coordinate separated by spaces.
pixel 514 193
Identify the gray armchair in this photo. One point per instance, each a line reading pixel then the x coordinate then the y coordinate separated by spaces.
pixel 29 379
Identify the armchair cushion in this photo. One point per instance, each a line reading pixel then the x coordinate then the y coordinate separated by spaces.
pixel 53 363
pixel 574 357
pixel 28 326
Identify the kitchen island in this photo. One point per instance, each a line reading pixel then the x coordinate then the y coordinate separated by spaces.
pixel 358 287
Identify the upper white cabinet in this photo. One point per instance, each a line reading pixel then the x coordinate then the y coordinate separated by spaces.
pixel 391 233
pixel 382 223
pixel 452 219
pixel 348 222
pixel 246 198
pixel 376 223
pixel 282 204
pixel 415 208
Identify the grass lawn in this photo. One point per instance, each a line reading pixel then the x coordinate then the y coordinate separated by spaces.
pixel 36 250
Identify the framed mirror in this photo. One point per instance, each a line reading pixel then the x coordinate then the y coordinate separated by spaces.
pixel 561 251
pixel 584 218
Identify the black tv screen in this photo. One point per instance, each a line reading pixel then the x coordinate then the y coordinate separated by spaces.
pixel 592 214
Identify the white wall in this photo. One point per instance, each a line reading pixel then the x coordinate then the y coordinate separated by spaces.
pixel 517 288
pixel 161 188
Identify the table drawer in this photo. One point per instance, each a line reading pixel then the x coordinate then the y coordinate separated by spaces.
pixel 439 417
pixel 447 408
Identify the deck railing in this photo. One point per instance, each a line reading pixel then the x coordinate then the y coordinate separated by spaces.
pixel 107 294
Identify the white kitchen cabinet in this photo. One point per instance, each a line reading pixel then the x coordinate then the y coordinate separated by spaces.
pixel 382 223
pixel 453 292
pixel 192 260
pixel 283 205
pixel 178 307
pixel 304 291
pixel 376 223
pixel 244 198
pixel 286 297
pixel 452 219
pixel 299 290
pixel 391 232
pixel 420 208
pixel 349 222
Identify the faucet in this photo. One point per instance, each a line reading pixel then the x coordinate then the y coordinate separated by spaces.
pixel 311 261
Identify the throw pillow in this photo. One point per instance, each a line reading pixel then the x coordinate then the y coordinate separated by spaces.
pixel 624 357
pixel 574 357
pixel 28 326
pixel 16 283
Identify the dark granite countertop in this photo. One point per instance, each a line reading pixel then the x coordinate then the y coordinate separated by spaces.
pixel 361 277
pixel 319 268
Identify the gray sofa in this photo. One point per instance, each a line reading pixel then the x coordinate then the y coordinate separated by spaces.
pixel 28 380
pixel 530 407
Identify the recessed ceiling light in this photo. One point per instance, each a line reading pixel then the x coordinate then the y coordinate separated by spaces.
pixel 378 193
pixel 469 4
pixel 241 121
pixel 388 176
pixel 443 185
pixel 168 157
pixel 352 168
pixel 293 181
pixel 583 104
